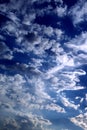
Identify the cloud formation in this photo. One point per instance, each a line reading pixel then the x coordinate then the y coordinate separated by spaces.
pixel 78 12
pixel 39 60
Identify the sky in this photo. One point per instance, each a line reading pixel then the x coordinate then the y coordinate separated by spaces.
pixel 43 65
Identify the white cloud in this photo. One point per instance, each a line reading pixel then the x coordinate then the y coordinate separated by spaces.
pixel 79 11
pixel 61 11
pixel 17 94
pixel 28 18
pixel 54 107
pixel 80 120
pixel 54 70
pixel 42 96
pixel 68 103
pixel 10 28
pixel 31 121
pixel 48 31
pixel 44 42
pixel 77 48
pixel 5 52
pixel 58 33
pixel 29 91
pixel 11 122
pixel 86 97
